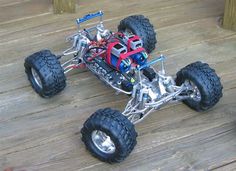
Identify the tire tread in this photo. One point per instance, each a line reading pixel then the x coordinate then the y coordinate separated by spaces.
pixel 207 77
pixel 119 125
pixel 50 69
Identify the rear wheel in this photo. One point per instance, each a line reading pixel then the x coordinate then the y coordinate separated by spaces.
pixel 140 26
pixel 109 135
pixel 204 86
pixel 45 73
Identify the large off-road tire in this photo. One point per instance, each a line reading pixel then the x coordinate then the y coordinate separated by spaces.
pixel 140 26
pixel 207 88
pixel 109 135
pixel 45 73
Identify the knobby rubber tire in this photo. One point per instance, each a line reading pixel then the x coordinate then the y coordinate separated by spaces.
pixel 115 125
pixel 206 80
pixel 50 73
pixel 140 26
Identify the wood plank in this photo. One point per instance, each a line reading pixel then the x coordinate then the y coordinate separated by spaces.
pixel 74 82
pixel 231 165
pixel 54 113
pixel 53 24
pixel 43 134
pixel 5 3
pixel 104 6
pixel 189 153
pixel 24 10
pixel 30 90
pixel 31 46
pixel 174 51
pixel 65 21
pixel 152 140
pixel 61 6
pixel 229 21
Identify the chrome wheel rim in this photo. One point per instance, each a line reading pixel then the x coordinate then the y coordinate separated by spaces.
pixel 36 78
pixel 103 142
pixel 195 92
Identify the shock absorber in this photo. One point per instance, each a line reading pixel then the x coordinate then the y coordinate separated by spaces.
pixel 82 45
pixel 143 97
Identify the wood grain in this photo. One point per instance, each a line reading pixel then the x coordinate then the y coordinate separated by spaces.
pixel 229 21
pixel 43 134
pixel 61 6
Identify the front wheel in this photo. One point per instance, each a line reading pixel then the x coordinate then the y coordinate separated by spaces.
pixel 109 135
pixel 205 88
pixel 45 73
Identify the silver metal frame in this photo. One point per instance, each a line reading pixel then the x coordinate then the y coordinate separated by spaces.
pixel 146 95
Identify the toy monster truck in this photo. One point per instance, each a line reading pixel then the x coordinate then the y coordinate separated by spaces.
pixel 120 60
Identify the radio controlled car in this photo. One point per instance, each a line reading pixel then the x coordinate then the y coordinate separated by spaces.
pixel 120 59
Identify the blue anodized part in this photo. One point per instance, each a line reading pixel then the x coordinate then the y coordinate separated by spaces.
pixel 160 58
pixel 139 58
pixel 125 64
pixel 89 17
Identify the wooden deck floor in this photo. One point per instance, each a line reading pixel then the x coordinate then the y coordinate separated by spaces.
pixel 43 134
